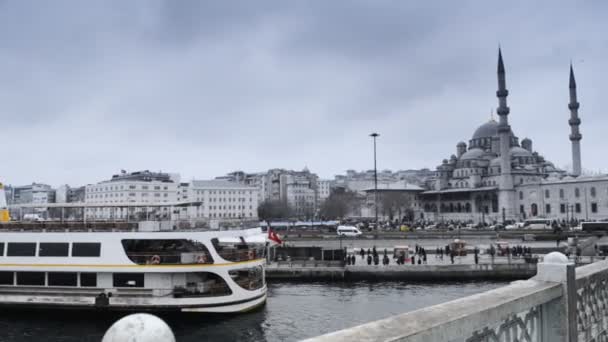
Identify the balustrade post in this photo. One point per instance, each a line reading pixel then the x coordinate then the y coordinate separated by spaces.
pixel 559 316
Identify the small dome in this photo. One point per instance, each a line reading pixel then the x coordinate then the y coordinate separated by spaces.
pixel 474 153
pixel 525 140
pixel 462 143
pixel 517 151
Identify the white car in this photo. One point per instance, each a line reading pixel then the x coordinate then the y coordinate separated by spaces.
pixel 348 231
pixel 516 225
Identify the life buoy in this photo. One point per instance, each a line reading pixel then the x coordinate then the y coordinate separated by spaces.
pixel 201 259
pixel 251 255
pixel 155 260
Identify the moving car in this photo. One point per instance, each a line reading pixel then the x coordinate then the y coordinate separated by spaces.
pixel 348 231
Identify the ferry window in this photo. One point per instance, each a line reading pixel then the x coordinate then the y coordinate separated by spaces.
pixel 30 278
pixel 152 251
pixel 128 279
pixel 248 278
pixel 21 249
pixel 53 249
pixel 86 249
pixel 6 278
pixel 1 248
pixel 238 250
pixel 62 278
pixel 88 279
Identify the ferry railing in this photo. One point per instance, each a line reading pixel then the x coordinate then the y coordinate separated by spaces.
pixel 555 305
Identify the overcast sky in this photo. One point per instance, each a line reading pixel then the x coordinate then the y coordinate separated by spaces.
pixel 202 88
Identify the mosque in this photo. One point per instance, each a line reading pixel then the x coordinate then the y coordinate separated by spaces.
pixel 497 177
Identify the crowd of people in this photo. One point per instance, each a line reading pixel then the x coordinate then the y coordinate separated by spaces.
pixel 419 255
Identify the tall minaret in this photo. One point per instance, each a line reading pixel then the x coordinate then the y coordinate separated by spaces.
pixel 506 193
pixel 575 135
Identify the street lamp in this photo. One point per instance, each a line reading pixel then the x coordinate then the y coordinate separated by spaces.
pixel 374 136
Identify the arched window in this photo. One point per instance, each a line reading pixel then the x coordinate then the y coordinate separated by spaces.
pixel 534 209
pixel 577 192
pixel 547 194
pixel 592 191
pixel 561 193
pixel 521 195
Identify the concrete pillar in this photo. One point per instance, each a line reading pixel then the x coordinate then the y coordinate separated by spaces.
pixel 559 315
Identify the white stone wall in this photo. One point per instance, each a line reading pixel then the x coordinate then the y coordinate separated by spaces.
pixel 582 199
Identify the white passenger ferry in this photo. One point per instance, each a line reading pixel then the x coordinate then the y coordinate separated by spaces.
pixel 200 271
pixel 188 271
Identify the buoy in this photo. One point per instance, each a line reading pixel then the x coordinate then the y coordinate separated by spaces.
pixel 140 327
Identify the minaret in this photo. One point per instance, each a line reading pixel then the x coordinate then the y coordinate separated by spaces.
pixel 506 193
pixel 575 135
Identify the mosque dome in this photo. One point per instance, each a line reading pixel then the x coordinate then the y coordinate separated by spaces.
pixel 517 151
pixel 462 143
pixel 487 130
pixel 474 153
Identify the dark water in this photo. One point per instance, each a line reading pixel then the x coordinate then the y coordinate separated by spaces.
pixel 293 312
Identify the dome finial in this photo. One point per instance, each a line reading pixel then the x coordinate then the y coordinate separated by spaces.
pixel 491 114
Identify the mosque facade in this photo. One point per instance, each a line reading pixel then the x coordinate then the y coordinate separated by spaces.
pixel 495 177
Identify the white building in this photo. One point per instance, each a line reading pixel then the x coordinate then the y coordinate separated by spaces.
pixel 221 200
pixel 129 188
pixel 324 189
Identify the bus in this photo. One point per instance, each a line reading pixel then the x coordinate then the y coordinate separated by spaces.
pixel 594 227
pixel 537 224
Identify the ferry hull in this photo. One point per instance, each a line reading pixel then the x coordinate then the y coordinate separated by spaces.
pixel 29 302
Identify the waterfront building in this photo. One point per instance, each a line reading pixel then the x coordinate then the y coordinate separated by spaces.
pixel 497 177
pixel 35 193
pixel 302 190
pixel 360 181
pixel 67 194
pixel 324 189
pixel 142 187
pixel 220 200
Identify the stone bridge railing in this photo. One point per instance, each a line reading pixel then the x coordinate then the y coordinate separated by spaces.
pixel 560 303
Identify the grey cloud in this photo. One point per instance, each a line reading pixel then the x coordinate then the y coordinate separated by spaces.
pixel 205 87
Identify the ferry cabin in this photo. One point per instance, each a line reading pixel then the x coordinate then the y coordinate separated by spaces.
pixel 200 271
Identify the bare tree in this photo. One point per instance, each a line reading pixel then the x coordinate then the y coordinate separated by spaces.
pixel 339 204
pixel 269 210
pixel 395 204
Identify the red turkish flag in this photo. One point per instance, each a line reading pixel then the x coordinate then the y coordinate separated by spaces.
pixel 274 236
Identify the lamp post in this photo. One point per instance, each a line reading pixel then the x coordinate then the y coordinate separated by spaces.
pixel 374 136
